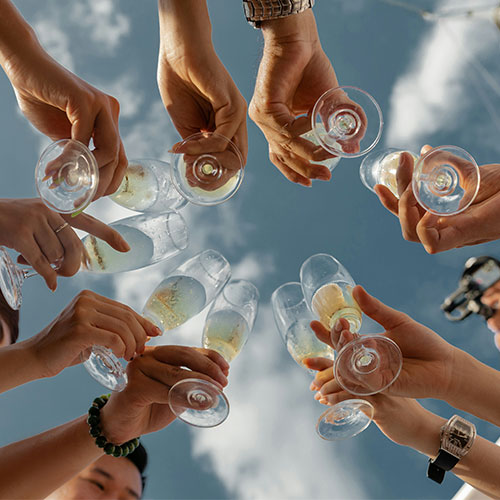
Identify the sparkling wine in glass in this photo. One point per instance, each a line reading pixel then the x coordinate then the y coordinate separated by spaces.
pixel 227 327
pixel 147 187
pixel 369 363
pixel 293 318
pixel 346 122
pixel 445 180
pixel 207 168
pixel 67 176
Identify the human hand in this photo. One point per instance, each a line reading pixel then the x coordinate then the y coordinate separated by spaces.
pixel 400 419
pixel 429 363
pixel 477 224
pixel 142 407
pixel 29 227
pixel 61 105
pixel 197 90
pixel 294 72
pixel 491 298
pixel 90 319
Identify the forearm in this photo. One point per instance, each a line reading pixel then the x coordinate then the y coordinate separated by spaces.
pixel 479 467
pixel 184 26
pixel 36 466
pixel 16 35
pixel 18 366
pixel 475 388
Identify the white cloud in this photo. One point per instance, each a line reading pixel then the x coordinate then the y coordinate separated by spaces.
pixel 435 93
pixel 268 447
pixel 126 89
pixel 103 21
pixel 55 41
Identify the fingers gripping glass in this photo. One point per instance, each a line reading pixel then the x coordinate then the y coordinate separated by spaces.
pixel 445 180
pixel 67 176
pixel 207 168
pixel 346 122
pixel 292 318
pixel 369 363
pixel 227 327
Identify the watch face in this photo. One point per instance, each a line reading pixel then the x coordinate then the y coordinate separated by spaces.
pixel 458 438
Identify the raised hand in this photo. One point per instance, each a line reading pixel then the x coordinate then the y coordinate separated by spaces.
pixel 477 224
pixel 44 237
pixel 142 407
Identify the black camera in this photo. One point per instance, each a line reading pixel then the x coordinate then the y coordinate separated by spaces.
pixel 480 273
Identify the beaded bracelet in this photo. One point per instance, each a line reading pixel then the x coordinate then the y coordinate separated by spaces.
pixel 94 419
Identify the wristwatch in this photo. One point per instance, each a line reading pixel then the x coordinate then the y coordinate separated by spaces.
pixel 257 11
pixel 457 436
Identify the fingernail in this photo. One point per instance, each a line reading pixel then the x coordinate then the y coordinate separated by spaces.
pixel 157 331
pixel 124 246
pixel 47 177
pixel 317 396
pixel 338 326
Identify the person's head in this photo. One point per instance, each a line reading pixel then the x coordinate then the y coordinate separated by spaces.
pixel 9 323
pixel 108 477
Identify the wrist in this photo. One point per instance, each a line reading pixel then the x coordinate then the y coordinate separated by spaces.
pixel 184 27
pixel 293 28
pixel 112 422
pixel 426 438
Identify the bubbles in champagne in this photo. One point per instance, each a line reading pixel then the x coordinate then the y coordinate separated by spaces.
pixel 104 259
pixel 302 343
pixel 333 301
pixel 225 332
pixel 138 190
pixel 174 301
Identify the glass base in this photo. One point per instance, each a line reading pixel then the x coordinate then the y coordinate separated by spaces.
pixel 198 402
pixel 368 365
pixel 105 368
pixel 345 420
pixel 207 169
pixel 11 280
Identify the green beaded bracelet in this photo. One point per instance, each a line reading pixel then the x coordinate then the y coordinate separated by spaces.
pixel 94 420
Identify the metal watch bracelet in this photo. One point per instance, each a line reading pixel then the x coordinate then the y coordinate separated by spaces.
pixel 257 11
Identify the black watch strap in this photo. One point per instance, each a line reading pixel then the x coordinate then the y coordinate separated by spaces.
pixel 442 463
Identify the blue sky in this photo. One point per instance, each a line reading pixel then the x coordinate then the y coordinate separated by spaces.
pixel 427 80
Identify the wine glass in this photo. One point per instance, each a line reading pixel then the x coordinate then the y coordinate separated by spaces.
pixel 445 180
pixel 152 238
pixel 347 122
pixel 147 187
pixel 369 363
pixel 207 168
pixel 181 295
pixel 293 318
pixel 227 327
pixel 67 176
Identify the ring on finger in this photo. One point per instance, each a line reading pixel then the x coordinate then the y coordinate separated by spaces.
pixel 61 227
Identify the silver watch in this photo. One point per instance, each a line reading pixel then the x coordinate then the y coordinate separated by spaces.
pixel 257 11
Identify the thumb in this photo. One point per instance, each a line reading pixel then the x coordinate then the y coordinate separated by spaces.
pixel 318 364
pixel 386 316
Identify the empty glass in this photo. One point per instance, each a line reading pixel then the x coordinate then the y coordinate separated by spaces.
pixel 227 327
pixel 347 122
pixel 445 180
pixel 67 176
pixel 369 363
pixel 293 318
pixel 147 187
pixel 207 168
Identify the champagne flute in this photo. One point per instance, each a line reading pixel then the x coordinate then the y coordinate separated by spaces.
pixel 152 238
pixel 227 327
pixel 67 176
pixel 369 363
pixel 183 294
pixel 293 318
pixel 207 168
pixel 445 180
pixel 147 187
pixel 347 122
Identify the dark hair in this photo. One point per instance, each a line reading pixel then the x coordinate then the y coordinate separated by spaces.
pixel 11 317
pixel 139 457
